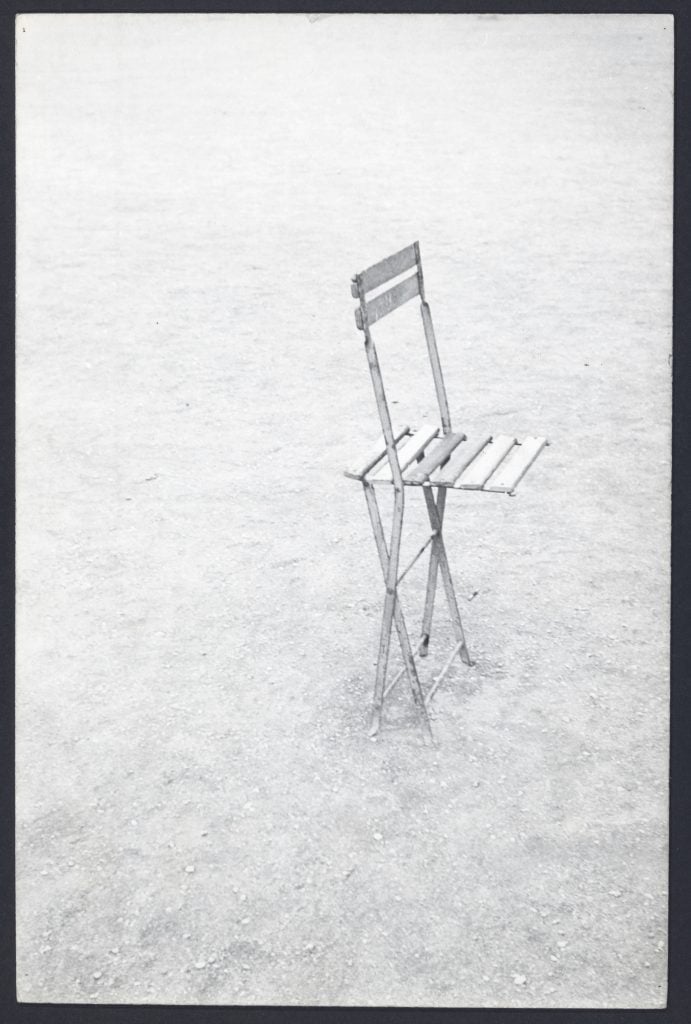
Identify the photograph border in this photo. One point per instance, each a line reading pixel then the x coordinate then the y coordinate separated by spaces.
pixel 678 1010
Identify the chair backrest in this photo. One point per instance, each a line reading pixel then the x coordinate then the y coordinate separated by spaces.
pixel 380 305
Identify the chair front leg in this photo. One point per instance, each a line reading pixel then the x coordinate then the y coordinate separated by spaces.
pixel 401 628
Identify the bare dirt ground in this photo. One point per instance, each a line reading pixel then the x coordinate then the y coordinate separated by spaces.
pixel 201 815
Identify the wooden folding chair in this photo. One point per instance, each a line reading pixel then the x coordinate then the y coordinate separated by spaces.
pixel 432 457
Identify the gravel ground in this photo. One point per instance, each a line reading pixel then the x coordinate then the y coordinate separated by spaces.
pixel 201 815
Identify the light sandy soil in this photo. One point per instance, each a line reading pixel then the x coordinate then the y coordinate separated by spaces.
pixel 201 815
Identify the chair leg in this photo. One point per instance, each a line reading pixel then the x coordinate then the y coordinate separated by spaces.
pixel 392 609
pixel 382 663
pixel 426 631
pixel 443 562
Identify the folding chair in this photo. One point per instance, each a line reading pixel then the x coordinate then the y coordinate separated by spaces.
pixel 433 458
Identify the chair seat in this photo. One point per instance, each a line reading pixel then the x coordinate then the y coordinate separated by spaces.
pixel 494 463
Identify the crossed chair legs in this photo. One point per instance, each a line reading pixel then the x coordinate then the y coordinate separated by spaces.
pixel 393 613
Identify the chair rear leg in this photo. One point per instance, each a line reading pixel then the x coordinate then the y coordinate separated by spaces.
pixel 426 631
pixel 446 575
pixel 382 663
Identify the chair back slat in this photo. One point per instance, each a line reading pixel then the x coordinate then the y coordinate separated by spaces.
pixel 389 300
pixel 392 266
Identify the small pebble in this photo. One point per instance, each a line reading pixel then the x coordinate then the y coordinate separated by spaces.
pixel 378 836
pixel 96 975
pixel 200 964
pixel 519 979
pixel 190 869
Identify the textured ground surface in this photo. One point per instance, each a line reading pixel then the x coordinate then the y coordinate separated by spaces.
pixel 201 816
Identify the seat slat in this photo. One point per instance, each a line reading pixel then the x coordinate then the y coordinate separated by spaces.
pixel 377 453
pixel 462 457
pixel 390 300
pixel 408 452
pixel 515 465
pixel 480 469
pixel 392 266
pixel 441 451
